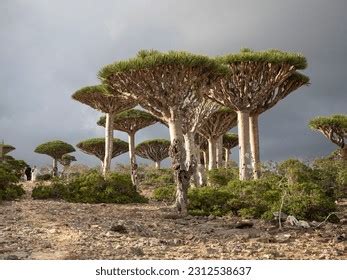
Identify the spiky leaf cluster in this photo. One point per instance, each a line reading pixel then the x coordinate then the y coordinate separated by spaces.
pixel 96 147
pixel 55 149
pixel 334 127
pixel 130 121
pixel 155 150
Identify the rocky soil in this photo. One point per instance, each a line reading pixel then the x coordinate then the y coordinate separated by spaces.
pixel 33 229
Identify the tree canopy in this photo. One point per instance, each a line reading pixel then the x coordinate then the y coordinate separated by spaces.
pixel 55 149
pixel 7 148
pixel 334 127
pixel 67 159
pixel 230 140
pixel 155 150
pixel 130 121
pixel 96 147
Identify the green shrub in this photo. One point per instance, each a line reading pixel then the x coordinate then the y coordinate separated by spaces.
pixel 165 193
pixel 9 189
pixel 221 177
pixel 44 177
pixel 260 198
pixel 91 187
pixel 295 171
pixel 158 177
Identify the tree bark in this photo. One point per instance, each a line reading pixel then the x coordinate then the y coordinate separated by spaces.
pixel 254 142
pixel 244 145
pixel 344 153
pixel 219 151
pixel 182 175
pixel 191 154
pixel 211 154
pixel 108 144
pixel 157 165
pixel 205 159
pixel 227 154
pixel 132 157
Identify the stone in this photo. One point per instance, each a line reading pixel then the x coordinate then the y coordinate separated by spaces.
pixel 340 238
pixel 283 216
pixel 211 217
pixel 118 228
pixel 303 224
pixel 243 224
pixel 137 251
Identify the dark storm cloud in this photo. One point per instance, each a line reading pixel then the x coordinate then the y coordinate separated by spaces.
pixel 49 49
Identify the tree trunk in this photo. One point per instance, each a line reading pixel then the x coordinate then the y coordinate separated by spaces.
pixel 344 153
pixel 205 159
pixel 211 153
pixel 55 168
pixel 254 141
pixel 101 166
pixel 132 157
pixel 227 154
pixel 177 154
pixel 244 145
pixel 108 144
pixel 191 155
pixel 157 165
pixel 219 152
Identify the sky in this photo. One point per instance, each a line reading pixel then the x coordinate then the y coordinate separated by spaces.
pixel 50 49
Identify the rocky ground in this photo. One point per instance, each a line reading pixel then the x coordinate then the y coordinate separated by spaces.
pixel 33 229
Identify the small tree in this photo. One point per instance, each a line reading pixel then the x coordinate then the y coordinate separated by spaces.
pixel 96 147
pixel 131 121
pixel 165 84
pixel 55 149
pixel 219 123
pixel 155 150
pixel 335 129
pixel 101 99
pixel 253 76
pixel 66 161
pixel 230 140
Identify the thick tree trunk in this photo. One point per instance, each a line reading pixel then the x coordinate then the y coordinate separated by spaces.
pixel 157 165
pixel 182 175
pixel 191 154
pixel 211 154
pixel 254 141
pixel 227 154
pixel 132 157
pixel 55 168
pixel 101 165
pixel 244 145
pixel 108 144
pixel 219 152
pixel 344 153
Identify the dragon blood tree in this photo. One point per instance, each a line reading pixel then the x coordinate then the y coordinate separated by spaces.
pixel 335 129
pixel 230 140
pixel 5 149
pixel 253 76
pixel 96 147
pixel 55 149
pixel 101 99
pixel 131 121
pixel 201 145
pixel 218 124
pixel 66 161
pixel 167 84
pixel 293 82
pixel 155 150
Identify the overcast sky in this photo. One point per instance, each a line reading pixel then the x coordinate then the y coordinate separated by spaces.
pixel 49 49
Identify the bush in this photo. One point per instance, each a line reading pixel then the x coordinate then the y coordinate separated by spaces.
pixel 9 189
pixel 260 198
pixel 91 187
pixel 158 177
pixel 221 177
pixel 44 177
pixel 165 193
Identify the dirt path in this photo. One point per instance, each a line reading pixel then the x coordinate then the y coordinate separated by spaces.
pixel 33 229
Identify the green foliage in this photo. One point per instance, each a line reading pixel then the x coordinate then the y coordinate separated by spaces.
pixel 13 166
pixel 260 198
pixel 295 171
pixel 270 56
pixel 333 121
pixel 155 149
pixel 165 193
pixel 55 149
pixel 158 177
pixel 6 148
pixel 44 177
pixel 230 140
pixel 9 187
pixel 96 147
pixel 221 177
pixel 92 187
pixel 157 59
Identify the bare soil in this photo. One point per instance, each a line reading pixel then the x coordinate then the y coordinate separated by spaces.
pixel 38 229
